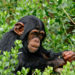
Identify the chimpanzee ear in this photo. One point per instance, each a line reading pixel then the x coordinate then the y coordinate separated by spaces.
pixel 19 28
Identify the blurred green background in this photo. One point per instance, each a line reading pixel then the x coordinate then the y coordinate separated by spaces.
pixel 58 17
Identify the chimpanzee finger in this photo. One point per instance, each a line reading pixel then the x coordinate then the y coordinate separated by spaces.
pixel 71 59
pixel 63 54
pixel 68 56
pixel 67 53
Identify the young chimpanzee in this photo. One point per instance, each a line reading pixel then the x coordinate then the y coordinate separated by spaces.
pixel 31 31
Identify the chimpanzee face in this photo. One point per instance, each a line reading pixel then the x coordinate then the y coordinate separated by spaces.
pixel 34 38
pixel 31 31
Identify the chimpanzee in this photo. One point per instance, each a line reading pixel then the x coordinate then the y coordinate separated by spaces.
pixel 32 55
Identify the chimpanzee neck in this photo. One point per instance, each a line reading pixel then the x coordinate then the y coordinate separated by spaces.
pixel 7 42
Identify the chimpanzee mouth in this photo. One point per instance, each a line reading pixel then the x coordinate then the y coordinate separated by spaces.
pixel 35 48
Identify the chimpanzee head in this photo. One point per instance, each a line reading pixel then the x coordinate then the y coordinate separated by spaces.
pixel 31 31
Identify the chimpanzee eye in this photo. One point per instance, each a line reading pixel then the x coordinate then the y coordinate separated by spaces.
pixel 41 35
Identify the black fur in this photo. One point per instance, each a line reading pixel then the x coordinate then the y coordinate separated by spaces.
pixel 27 59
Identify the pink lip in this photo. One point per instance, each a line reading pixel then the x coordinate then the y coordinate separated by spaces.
pixel 34 46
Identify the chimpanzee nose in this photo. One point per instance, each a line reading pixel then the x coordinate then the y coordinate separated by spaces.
pixel 37 40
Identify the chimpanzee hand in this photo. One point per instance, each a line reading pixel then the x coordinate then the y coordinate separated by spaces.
pixel 68 56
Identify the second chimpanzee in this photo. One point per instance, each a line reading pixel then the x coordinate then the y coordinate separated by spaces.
pixel 31 31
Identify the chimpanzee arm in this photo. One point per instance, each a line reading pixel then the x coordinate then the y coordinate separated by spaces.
pixel 56 63
pixel 50 54
pixel 53 59
pixel 39 63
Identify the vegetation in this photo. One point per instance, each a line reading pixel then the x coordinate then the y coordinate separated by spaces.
pixel 59 19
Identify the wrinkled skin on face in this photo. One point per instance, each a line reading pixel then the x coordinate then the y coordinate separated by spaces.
pixel 34 38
